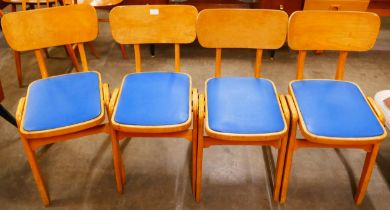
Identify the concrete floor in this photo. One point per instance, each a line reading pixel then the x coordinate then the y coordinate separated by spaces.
pixel 79 174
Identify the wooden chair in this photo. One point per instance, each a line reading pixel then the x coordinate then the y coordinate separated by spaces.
pixel 333 113
pixel 153 104
pixel 242 110
pixel 62 107
pixel 17 58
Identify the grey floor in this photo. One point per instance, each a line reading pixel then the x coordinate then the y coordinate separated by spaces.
pixel 79 173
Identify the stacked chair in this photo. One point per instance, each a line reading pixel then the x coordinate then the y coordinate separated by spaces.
pixel 237 110
pixel 61 107
pixel 333 113
pixel 153 104
pixel 233 110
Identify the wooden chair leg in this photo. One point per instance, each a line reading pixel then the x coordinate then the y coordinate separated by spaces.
pixel 290 148
pixel 194 138
pixel 199 156
pixel 93 49
pixel 116 156
pixel 18 67
pixel 123 172
pixel 124 52
pixel 287 166
pixel 13 7
pixel 73 57
pixel 199 165
pixel 194 159
pixel 279 168
pixel 36 172
pixel 369 164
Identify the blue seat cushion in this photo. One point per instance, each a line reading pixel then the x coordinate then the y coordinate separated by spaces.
pixel 335 109
pixel 62 101
pixel 243 106
pixel 154 99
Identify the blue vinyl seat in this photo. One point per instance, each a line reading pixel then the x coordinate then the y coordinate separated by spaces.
pixel 154 99
pixel 61 101
pixel 243 106
pixel 331 108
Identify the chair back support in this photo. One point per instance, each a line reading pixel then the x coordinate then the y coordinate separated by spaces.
pixel 49 27
pixel 36 29
pixel 332 30
pixel 242 28
pixel 154 24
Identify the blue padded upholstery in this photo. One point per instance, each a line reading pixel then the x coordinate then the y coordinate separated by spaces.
pixel 62 101
pixel 154 99
pixel 335 109
pixel 243 106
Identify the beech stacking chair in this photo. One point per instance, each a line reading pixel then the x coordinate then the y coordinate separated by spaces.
pixel 333 113
pixel 242 110
pixel 63 107
pixel 153 104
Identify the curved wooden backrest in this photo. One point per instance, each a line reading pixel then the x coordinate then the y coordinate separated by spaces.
pixel 42 28
pixel 242 28
pixel 153 24
pixel 333 30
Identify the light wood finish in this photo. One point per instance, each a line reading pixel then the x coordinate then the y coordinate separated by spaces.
pixel 254 29
pixel 259 55
pixel 50 27
pixel 136 25
pixel 317 30
pixel 218 56
pixel 137 57
pixel 32 140
pixel 153 25
pixel 301 64
pixel 17 58
pixel 338 5
pixel 242 28
pixel 347 35
pixel 177 57
pixel 41 63
pixel 341 65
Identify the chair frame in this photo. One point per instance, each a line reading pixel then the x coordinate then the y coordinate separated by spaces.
pixel 32 141
pixel 213 138
pixel 121 131
pixel 369 145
